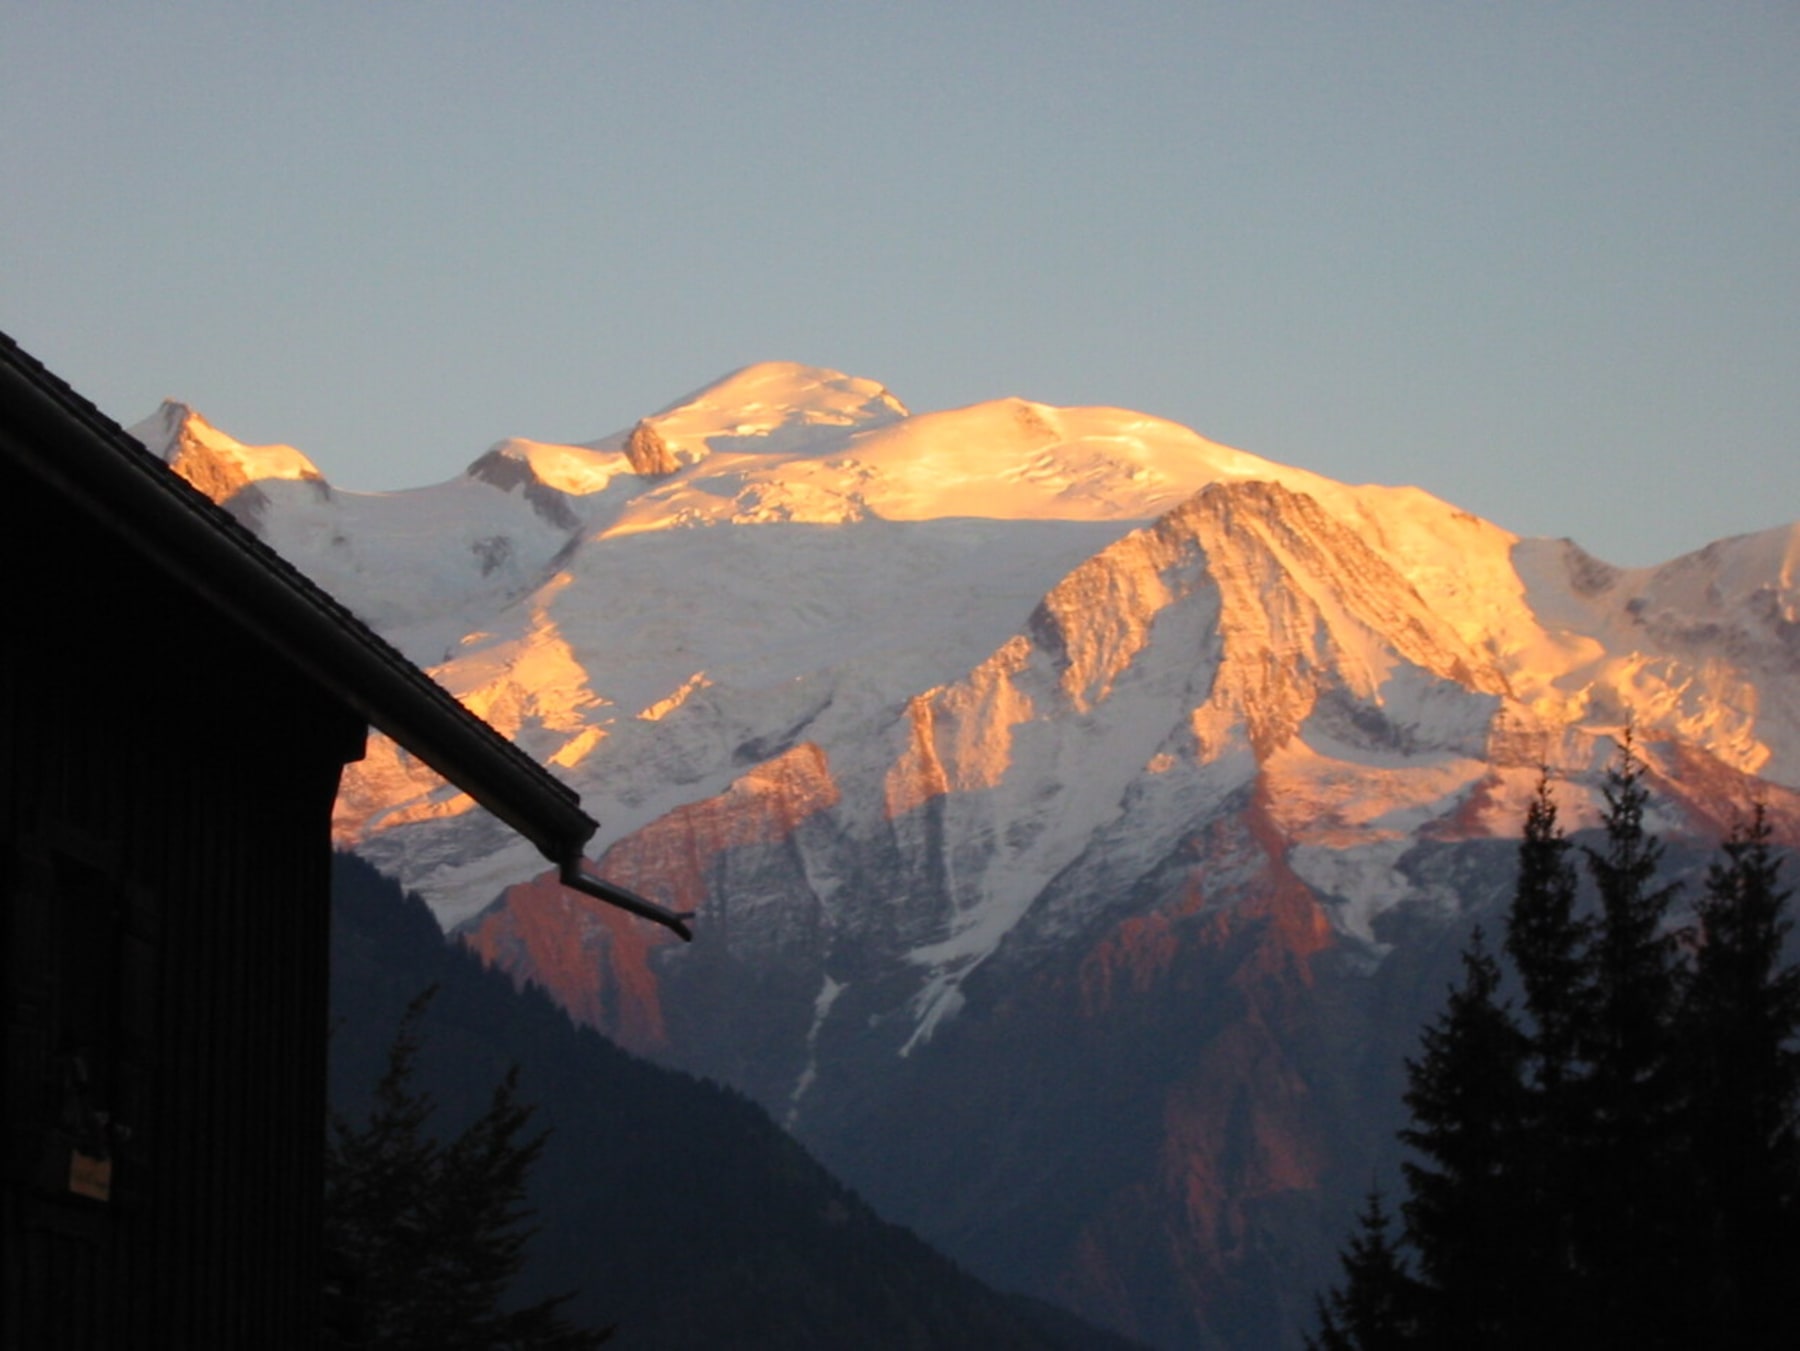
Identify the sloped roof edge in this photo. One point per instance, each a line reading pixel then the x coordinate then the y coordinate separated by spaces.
pixel 103 471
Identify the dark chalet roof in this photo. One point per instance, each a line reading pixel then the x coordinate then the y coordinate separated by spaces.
pixel 51 433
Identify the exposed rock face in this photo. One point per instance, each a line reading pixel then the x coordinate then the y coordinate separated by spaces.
pixel 588 954
pixel 648 453
pixel 507 472
pixel 226 470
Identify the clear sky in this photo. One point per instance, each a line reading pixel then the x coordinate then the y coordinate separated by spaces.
pixel 1541 259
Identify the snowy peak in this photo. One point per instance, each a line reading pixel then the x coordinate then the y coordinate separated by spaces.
pixel 760 398
pixel 773 406
pixel 1246 632
pixel 756 419
pixel 778 443
pixel 1304 597
pixel 218 465
pixel 548 476
pixel 1755 574
pixel 573 470
pixel 1010 459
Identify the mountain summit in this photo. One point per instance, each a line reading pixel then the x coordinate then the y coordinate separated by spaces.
pixel 1075 808
pixel 222 467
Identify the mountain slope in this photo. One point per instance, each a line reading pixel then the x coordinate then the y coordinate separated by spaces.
pixel 679 1211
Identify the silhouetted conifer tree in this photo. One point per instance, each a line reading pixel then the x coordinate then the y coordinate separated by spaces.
pixel 1548 942
pixel 1468 1207
pixel 423 1238
pixel 1621 1165
pixel 1630 1238
pixel 1739 1025
pixel 1376 1308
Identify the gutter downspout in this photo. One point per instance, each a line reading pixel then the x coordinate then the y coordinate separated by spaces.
pixel 574 876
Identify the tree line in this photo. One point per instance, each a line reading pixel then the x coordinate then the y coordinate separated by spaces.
pixel 1602 1145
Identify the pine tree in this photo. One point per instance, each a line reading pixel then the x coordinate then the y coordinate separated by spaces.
pixel 1628 1166
pixel 1740 1022
pixel 1468 1209
pixel 1376 1308
pixel 1633 964
pixel 1620 1164
pixel 424 1238
pixel 1550 946
pixel 377 1233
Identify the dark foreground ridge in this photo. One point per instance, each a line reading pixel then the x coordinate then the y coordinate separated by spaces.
pixel 680 1211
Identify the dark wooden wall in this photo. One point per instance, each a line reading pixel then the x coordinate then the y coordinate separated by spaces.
pixel 165 799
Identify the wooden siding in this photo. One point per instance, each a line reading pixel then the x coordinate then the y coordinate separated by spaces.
pixel 165 798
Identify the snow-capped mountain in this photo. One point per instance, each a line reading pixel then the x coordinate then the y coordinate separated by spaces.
pixel 1072 805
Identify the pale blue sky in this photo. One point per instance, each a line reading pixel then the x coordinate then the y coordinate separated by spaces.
pixel 1540 259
